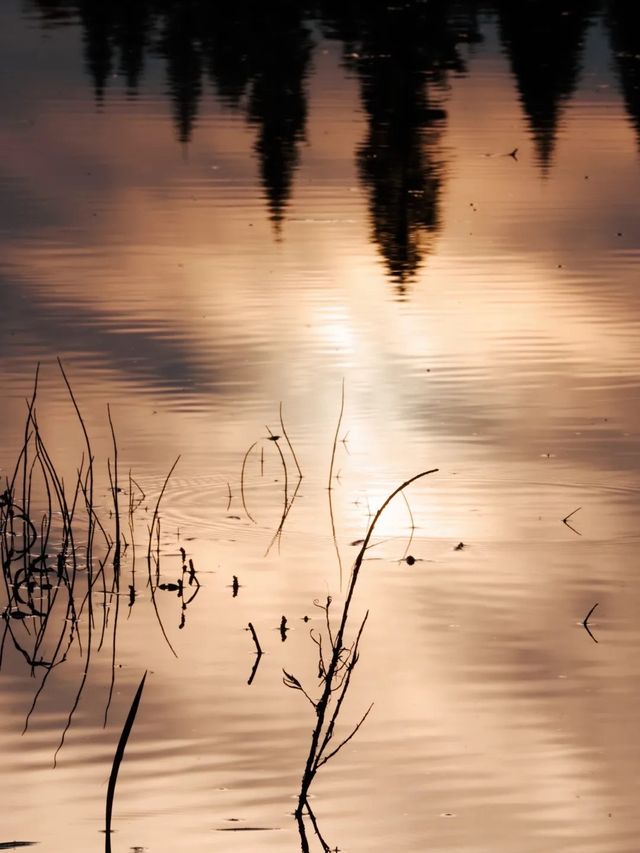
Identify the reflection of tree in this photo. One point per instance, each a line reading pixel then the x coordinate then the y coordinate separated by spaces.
pixel 184 65
pixel 115 38
pixel 544 41
pixel 257 55
pixel 248 48
pixel 278 103
pixel 400 54
pixel 624 25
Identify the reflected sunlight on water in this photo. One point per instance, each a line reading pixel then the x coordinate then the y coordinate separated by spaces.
pixel 212 210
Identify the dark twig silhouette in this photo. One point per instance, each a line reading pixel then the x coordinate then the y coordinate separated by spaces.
pixel 335 670
pixel 565 521
pixel 330 483
pixel 259 653
pixel 585 622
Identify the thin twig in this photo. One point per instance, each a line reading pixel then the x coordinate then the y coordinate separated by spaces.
pixel 346 740
pixel 274 439
pixel 335 440
pixel 336 662
pixel 565 521
pixel 244 463
pixel 293 453
pixel 259 654
pixel 255 639
pixel 586 620
pixel 157 507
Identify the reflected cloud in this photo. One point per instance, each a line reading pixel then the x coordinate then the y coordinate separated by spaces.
pixel 148 357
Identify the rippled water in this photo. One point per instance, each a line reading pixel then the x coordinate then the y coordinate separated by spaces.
pixel 209 212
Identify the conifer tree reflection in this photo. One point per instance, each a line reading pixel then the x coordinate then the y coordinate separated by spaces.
pixel 544 41
pixel 133 28
pixel 624 26
pixel 227 55
pixel 279 56
pixel 247 48
pixel 98 29
pixel 181 48
pixel 400 55
pixel 115 37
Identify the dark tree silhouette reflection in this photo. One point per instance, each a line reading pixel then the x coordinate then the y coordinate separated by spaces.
pixel 544 39
pixel 279 64
pixel 624 26
pixel 179 44
pixel 258 56
pixel 401 55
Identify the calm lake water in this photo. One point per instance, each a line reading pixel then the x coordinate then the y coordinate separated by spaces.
pixel 214 210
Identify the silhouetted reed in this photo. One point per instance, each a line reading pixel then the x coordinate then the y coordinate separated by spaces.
pixel 288 500
pixel 117 760
pixel 259 653
pixel 337 659
pixel 62 563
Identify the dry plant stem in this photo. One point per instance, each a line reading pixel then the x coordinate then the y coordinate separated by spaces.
pixel 330 487
pixel 155 607
pixel 113 481
pixel 284 468
pixel 89 479
pixel 88 491
pixel 244 465
pixel 316 829
pixel 25 459
pixel 255 639
pixel 259 654
pixel 335 440
pixel 293 453
pixel 287 510
pixel 132 533
pixel 319 740
pixel 413 527
pixel 156 509
pixel 287 503
pixel 150 576
pixel 343 687
pixel 85 673
pixel 114 490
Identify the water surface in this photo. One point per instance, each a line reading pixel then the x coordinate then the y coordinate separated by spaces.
pixel 209 212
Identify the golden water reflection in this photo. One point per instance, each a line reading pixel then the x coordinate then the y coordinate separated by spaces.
pixel 482 310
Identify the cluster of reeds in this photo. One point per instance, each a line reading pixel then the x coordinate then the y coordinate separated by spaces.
pixel 62 568
pixel 338 644
pixel 63 556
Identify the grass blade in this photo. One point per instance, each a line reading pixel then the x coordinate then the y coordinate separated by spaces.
pixel 117 759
